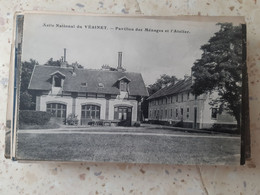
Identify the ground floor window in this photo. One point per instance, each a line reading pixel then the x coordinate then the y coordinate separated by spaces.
pixel 214 112
pixel 58 110
pixel 90 111
pixel 181 111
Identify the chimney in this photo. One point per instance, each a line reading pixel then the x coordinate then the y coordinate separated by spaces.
pixel 63 60
pixel 64 55
pixel 119 67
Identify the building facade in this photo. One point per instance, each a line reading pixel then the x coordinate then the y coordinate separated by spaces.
pixel 91 95
pixel 176 105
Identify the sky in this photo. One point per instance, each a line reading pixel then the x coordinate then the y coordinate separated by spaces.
pixel 167 47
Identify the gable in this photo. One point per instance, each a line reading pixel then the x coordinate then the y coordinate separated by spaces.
pixel 58 73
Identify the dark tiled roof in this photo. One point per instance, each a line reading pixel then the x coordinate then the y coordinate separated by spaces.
pixel 181 86
pixel 41 80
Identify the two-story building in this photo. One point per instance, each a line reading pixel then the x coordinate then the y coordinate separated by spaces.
pixel 89 94
pixel 176 104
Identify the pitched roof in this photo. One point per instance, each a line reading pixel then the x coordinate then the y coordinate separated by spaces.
pixel 179 87
pixel 41 80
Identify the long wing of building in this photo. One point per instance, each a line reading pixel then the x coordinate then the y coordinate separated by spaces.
pixel 176 105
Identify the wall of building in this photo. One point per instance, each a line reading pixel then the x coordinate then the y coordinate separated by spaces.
pixel 188 102
pixel 167 111
pixel 223 118
pixel 68 101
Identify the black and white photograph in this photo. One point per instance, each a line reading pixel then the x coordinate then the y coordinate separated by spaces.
pixel 130 89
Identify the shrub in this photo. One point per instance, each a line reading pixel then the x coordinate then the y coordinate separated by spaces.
pixel 225 128
pixel 72 119
pixel 179 124
pixel 137 124
pixel 34 117
pixel 157 122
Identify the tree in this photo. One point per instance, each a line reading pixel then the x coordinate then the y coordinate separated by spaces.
pixel 220 69
pixel 162 81
pixel 52 62
pixel 76 65
pixel 26 102
pixel 110 68
pixel 27 98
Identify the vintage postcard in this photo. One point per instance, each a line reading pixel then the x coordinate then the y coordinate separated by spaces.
pixel 131 89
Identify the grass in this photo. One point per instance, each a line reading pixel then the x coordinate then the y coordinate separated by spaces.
pixel 76 146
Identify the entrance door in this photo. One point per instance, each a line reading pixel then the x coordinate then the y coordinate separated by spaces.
pixel 124 115
pixel 195 118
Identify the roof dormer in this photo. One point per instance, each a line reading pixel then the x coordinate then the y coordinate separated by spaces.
pixel 57 79
pixel 123 83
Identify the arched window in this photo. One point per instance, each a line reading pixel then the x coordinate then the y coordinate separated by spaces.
pixel 58 110
pixel 90 111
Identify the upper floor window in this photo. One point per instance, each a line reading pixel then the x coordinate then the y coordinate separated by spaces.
pixel 57 81
pixel 188 96
pixel 188 113
pixel 123 86
pixel 101 85
pixel 84 84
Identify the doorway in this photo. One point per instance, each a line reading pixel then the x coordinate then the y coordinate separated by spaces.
pixel 124 115
pixel 195 118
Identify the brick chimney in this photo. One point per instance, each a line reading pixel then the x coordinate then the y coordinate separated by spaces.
pixel 64 62
pixel 119 66
pixel 64 54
